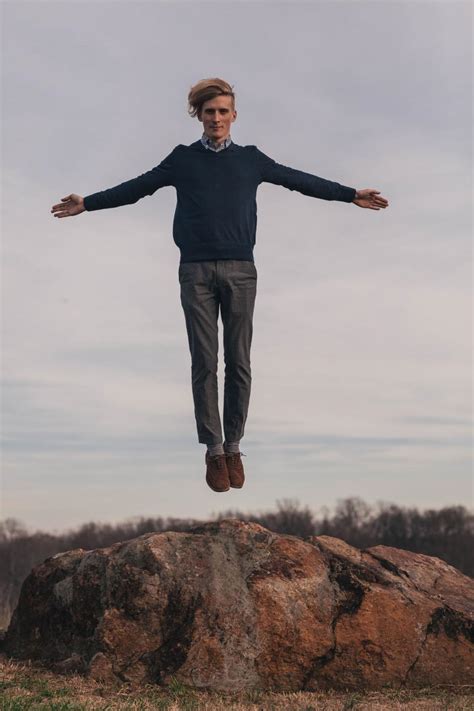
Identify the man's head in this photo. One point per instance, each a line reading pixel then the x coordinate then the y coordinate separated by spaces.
pixel 213 102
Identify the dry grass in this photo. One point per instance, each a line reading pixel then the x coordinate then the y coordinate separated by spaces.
pixel 29 686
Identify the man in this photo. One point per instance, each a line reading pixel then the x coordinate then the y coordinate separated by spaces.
pixel 214 227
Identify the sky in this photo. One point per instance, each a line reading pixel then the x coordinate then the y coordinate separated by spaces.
pixel 362 345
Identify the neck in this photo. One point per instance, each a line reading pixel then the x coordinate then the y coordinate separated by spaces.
pixel 218 141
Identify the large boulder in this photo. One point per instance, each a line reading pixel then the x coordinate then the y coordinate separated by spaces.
pixel 231 605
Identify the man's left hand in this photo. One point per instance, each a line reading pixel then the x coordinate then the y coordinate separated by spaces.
pixel 371 198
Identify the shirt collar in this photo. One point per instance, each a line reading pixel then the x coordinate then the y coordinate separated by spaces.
pixel 209 143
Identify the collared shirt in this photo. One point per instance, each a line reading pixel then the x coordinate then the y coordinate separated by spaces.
pixel 209 143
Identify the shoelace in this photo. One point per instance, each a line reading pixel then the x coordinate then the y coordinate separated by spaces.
pixel 220 461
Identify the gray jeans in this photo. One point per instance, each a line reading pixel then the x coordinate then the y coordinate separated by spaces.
pixel 232 285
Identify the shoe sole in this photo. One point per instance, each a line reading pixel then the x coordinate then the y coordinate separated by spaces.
pixel 219 491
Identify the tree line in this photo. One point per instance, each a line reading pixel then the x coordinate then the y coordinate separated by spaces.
pixel 446 533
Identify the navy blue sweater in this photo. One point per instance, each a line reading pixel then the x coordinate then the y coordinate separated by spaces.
pixel 216 210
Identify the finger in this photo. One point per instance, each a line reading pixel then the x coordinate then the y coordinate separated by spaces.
pixel 61 204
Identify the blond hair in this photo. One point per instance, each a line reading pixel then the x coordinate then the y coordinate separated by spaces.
pixel 205 90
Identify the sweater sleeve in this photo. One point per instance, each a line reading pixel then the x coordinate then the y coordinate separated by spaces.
pixel 305 183
pixel 132 190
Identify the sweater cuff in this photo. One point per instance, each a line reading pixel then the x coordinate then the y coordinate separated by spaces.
pixel 347 194
pixel 88 203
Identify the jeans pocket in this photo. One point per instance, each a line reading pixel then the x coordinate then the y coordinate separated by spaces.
pixel 252 269
pixel 184 269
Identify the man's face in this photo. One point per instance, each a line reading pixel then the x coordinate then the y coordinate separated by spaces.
pixel 216 116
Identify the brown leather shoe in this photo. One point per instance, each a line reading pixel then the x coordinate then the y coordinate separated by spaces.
pixel 235 469
pixel 217 476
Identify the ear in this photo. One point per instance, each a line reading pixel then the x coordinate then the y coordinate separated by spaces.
pixel 235 116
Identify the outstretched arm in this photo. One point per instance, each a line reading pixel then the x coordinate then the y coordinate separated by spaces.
pixel 314 186
pixel 305 183
pixel 123 194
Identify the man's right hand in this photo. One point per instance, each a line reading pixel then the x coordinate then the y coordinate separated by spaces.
pixel 70 205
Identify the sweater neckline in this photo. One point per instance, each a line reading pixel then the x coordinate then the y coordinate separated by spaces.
pixel 198 144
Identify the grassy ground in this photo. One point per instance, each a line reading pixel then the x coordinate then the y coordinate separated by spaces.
pixel 28 686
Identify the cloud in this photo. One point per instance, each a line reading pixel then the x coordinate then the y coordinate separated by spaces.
pixel 361 355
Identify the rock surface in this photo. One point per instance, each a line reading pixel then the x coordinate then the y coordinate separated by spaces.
pixel 230 605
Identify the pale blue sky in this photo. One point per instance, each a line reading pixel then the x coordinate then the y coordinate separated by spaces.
pixel 362 348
